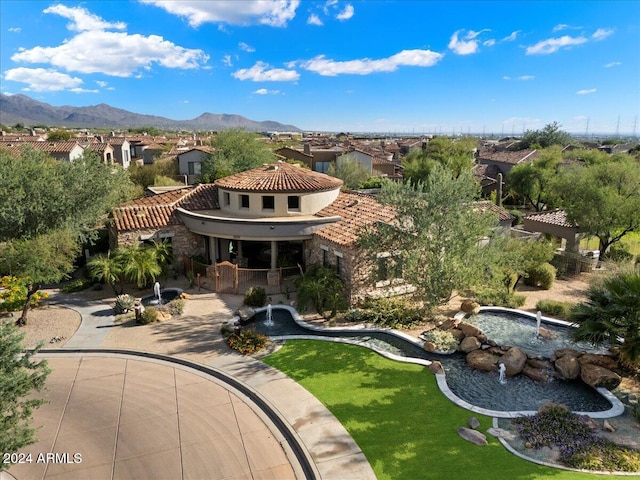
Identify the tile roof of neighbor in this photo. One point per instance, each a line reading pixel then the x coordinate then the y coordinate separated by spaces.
pixel 551 217
pixel 49 147
pixel 159 210
pixel 355 211
pixel 511 157
pixel 503 215
pixel 279 177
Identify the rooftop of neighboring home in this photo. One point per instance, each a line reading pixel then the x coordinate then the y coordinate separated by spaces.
pixel 46 146
pixel 501 212
pixel 550 217
pixel 279 177
pixel 512 157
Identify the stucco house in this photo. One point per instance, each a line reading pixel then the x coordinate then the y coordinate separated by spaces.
pixel 190 162
pixel 256 226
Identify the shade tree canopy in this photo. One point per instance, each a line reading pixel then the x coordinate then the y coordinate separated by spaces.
pixel 456 155
pixel 533 182
pixel 549 135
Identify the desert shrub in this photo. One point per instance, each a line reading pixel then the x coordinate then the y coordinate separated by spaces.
pixel 542 275
pixel 390 312
pixel 255 297
pixel 555 308
pixel 619 252
pixel 13 295
pixel 555 426
pixel 149 315
pixel 176 307
pixel 323 288
pixel 123 304
pixel 518 214
pixel 443 340
pixel 77 285
pixel 499 298
pixel 247 341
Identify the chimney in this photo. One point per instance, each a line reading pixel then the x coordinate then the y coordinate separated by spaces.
pixel 32 132
pixel 307 148
pixel 99 138
pixel 499 196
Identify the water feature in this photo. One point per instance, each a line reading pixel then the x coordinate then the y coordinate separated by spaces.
pixel 538 322
pixel 166 295
pixel 156 290
pixel 269 321
pixel 474 386
pixel 502 380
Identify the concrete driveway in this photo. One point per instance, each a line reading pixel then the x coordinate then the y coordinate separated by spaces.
pixel 127 418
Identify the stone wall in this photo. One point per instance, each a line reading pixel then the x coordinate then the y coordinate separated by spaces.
pixel 183 241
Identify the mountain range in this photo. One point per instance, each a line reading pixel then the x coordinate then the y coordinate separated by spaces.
pixel 23 109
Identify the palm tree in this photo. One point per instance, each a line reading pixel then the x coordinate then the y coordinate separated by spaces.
pixel 108 269
pixel 140 265
pixel 611 315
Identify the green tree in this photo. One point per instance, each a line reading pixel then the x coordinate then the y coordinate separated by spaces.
pixel 457 155
pixel 602 199
pixel 323 288
pixel 548 136
pixel 149 175
pixel 611 316
pixel 235 151
pixel 108 269
pixel 60 136
pixel 533 181
pixel 350 171
pixel 436 232
pixel 20 376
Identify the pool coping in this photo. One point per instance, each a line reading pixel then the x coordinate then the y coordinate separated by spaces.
pixel 617 407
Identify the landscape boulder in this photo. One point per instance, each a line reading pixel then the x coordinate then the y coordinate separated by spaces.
pixel 501 433
pixel 562 352
pixel 449 323
pixel 596 376
pixel 473 422
pixel 469 344
pixel 540 363
pixel 469 330
pixel 605 361
pixel 457 334
pixel 430 347
pixel 546 334
pixel 514 360
pixel 536 374
pixel 470 306
pixel 436 368
pixel 483 360
pixel 473 436
pixel 245 313
pixel 607 427
pixel 568 367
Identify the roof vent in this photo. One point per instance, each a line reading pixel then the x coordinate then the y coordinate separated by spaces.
pixel 272 167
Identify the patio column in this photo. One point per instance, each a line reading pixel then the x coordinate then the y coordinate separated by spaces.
pixel 240 249
pixel 274 254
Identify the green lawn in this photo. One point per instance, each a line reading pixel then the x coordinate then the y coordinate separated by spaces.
pixel 632 240
pixel 398 416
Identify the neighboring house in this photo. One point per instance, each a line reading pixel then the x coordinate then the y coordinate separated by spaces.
pixel 554 223
pixel 190 162
pixel 67 151
pixel 121 150
pixel 505 219
pixel 374 163
pixel 319 159
pixel 266 219
pixel 505 160
pixel 150 152
pixel 104 150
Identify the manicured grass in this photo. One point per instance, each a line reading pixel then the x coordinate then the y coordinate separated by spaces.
pixel 632 240
pixel 398 416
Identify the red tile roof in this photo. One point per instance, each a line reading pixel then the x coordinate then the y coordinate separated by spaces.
pixel 159 210
pixel 47 146
pixel 511 157
pixel 279 177
pixel 355 211
pixel 503 215
pixel 551 217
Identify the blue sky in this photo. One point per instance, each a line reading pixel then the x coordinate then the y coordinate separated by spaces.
pixel 391 66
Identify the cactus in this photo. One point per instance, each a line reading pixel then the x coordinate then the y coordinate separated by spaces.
pixel 124 303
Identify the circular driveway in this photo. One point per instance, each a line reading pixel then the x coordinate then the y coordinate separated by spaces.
pixel 119 417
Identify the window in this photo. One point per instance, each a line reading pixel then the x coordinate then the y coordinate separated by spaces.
pixel 226 199
pixel 322 167
pixel 244 201
pixel 293 202
pixel 325 258
pixel 268 202
pixel 383 269
pixel 338 264
pixel 195 168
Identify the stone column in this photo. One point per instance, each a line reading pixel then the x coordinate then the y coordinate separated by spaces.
pixel 274 254
pixel 273 276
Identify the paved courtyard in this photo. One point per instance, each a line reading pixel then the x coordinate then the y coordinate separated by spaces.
pixel 136 419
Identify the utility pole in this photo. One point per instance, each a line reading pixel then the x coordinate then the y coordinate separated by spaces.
pixel 635 124
pixel 586 133
pixel 618 127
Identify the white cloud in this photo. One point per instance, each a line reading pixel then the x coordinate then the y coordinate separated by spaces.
pixel 45 80
pixel 226 60
pixel 602 33
pixel 552 45
pixel 275 13
pixel 185 101
pixel 471 34
pixel 365 66
pixel 586 91
pixel 15 29
pixel 113 53
pixel 246 47
pixel 489 43
pixel 463 47
pixel 264 91
pixel 101 83
pixel 346 14
pixel 82 20
pixel 526 77
pixel 261 72
pixel 560 27
pixel 511 37
pixel 612 64
pixel 506 77
pixel 314 20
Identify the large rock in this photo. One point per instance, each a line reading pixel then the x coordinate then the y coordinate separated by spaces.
pixel 473 422
pixel 450 323
pixel 436 368
pixel 483 360
pixel 568 367
pixel 501 433
pixel 536 374
pixel 540 363
pixel 469 344
pixel 599 376
pixel 245 313
pixel 562 352
pixel 469 306
pixel 457 334
pixel 473 436
pixel 515 360
pixel 605 361
pixel 430 347
pixel 469 330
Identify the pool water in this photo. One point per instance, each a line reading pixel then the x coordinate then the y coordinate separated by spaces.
pixel 474 386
